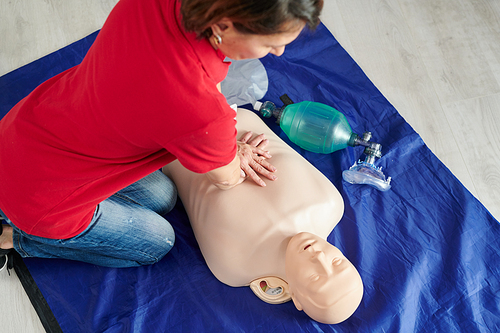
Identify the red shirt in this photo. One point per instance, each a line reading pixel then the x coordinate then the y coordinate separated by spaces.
pixel 144 95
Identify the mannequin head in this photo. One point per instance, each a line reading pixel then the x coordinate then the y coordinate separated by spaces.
pixel 321 280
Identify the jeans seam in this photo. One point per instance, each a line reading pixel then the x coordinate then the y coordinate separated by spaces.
pixel 24 254
pixel 121 196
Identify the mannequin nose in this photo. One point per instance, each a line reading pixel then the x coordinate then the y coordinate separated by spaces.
pixel 323 261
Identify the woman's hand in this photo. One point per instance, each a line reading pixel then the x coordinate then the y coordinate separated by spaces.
pixel 253 158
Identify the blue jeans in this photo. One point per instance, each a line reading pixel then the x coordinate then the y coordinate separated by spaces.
pixel 127 229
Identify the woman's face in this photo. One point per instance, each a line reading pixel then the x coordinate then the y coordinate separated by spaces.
pixel 237 46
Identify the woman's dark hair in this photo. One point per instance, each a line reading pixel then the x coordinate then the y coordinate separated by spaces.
pixel 262 17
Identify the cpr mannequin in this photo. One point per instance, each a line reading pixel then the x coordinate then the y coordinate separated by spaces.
pixel 273 238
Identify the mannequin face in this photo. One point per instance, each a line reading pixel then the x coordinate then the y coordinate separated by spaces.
pixel 238 46
pixel 322 281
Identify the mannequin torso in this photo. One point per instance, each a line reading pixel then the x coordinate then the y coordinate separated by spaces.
pixel 243 233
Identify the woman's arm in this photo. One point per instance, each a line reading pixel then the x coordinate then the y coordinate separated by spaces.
pixel 228 176
pixel 250 160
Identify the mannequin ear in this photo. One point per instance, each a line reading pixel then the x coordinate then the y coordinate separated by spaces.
pixel 272 290
pixel 296 303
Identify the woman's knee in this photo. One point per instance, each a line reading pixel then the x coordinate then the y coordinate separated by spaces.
pixel 159 244
pixel 163 192
pixel 155 192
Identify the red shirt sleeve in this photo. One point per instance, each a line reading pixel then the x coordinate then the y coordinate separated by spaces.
pixel 208 148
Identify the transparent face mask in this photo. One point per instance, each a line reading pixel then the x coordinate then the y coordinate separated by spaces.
pixel 365 173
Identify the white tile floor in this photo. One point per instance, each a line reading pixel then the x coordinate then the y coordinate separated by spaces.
pixel 436 61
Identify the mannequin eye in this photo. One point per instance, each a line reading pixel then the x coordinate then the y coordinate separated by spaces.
pixel 314 277
pixel 336 261
pixel 307 246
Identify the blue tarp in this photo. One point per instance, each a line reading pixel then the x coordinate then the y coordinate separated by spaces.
pixel 428 252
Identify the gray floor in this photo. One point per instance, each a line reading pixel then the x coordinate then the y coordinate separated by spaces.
pixel 436 61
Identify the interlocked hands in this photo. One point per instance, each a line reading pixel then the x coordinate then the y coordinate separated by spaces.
pixel 253 158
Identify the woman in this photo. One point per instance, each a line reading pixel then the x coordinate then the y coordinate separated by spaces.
pixel 80 155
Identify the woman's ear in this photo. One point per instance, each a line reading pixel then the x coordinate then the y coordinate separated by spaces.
pixel 272 290
pixel 222 26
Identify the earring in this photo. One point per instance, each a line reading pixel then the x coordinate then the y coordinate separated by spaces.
pixel 217 39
